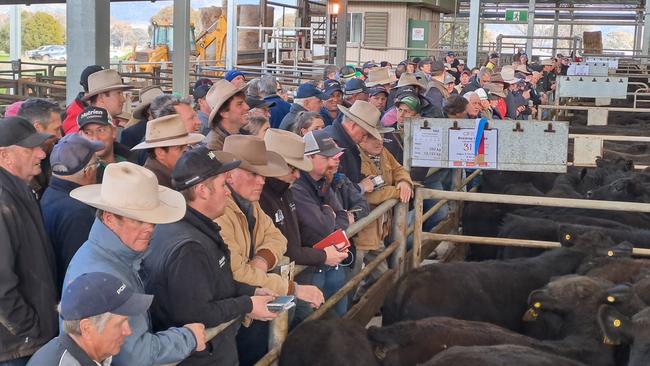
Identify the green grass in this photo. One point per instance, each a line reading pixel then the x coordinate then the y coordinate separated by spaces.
pixel 4 56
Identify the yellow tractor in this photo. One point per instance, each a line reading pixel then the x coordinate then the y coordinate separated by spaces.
pixel 161 44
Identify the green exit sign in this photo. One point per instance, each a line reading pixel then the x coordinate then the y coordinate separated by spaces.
pixel 516 15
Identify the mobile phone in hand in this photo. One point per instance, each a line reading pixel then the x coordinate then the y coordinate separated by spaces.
pixel 281 303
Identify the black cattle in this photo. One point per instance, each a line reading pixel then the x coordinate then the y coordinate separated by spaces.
pixel 573 299
pixel 629 189
pixel 618 328
pixel 490 291
pixel 501 355
pixel 588 217
pixel 326 342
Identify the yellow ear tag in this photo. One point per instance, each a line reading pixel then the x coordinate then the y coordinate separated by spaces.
pixel 567 237
pixel 537 305
pixel 611 299
pixel 610 253
pixel 617 323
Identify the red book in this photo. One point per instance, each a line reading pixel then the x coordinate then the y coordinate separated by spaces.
pixel 337 238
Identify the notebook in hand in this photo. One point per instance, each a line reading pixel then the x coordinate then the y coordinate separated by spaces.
pixel 337 238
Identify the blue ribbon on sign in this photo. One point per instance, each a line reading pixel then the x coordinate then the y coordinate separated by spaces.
pixel 479 129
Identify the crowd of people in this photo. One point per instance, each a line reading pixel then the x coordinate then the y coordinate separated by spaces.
pixel 124 235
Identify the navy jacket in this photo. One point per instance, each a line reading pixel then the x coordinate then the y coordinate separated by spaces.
pixel 134 135
pixel 350 160
pixel 326 116
pixel 279 110
pixel 67 222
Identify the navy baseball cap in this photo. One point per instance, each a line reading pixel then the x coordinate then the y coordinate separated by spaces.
pixel 72 153
pixel 97 293
pixel 451 53
pixel 95 115
pixel 230 75
pixel 377 90
pixel 308 90
pixel 199 164
pixel 83 81
pixel 258 103
pixel 201 88
pixel 331 86
pixel 355 86
pixel 19 131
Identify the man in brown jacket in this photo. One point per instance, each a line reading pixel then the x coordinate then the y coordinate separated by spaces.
pixel 256 245
pixel 379 162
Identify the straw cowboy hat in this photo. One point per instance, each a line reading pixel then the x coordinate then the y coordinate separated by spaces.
pixel 494 89
pixel 290 146
pixel 167 131
pixel 408 78
pixel 522 69
pixel 255 157
pixel 147 95
pixel 104 81
pixel 219 93
pixel 365 115
pixel 380 76
pixel 132 191
pixel 508 74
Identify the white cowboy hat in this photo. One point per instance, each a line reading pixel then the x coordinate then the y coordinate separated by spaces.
pixel 104 81
pixel 365 115
pixel 219 93
pixel 167 131
pixel 132 191
pixel 380 76
pixel 508 74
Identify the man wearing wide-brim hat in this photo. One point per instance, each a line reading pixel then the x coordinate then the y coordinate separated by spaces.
pixel 229 112
pixel 256 245
pixel 165 141
pixel 357 122
pixel 277 201
pixel 135 130
pixel 106 90
pixel 130 203
pixel 188 264
pixel 495 96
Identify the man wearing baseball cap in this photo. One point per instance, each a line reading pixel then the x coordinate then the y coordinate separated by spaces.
pixel 334 93
pixel 188 263
pixel 236 78
pixel 308 98
pixel 201 104
pixel 437 90
pixel 95 310
pixel 256 245
pixel 129 204
pixel 321 212
pixel 95 124
pixel 355 89
pixel 68 221
pixel 28 291
pixel 378 97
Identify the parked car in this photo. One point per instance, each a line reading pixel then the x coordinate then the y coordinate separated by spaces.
pixel 57 55
pixel 31 53
pixel 47 53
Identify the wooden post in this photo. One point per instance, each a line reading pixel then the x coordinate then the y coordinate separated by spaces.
pixel 397 261
pixel 417 229
pixel 278 330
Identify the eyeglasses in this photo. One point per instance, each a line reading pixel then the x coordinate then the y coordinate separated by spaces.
pixel 95 164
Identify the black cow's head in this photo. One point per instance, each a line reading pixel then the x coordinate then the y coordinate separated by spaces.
pixel 569 293
pixel 618 329
pixel 628 189
pixel 585 239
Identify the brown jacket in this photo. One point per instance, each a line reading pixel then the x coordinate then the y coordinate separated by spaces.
pixel 268 242
pixel 372 236
pixel 215 138
pixel 163 173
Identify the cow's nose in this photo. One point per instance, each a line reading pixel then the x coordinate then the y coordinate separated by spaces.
pixel 590 194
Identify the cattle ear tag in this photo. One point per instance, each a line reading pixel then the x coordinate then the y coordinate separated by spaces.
pixel 537 305
pixel 616 323
pixel 609 342
pixel 610 253
pixel 530 315
pixel 611 299
pixel 567 237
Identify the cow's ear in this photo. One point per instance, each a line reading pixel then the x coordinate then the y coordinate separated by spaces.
pixel 583 173
pixel 615 326
pixel 621 293
pixel 621 250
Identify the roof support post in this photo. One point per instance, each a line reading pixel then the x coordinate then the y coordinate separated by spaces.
pixel 88 41
pixel 472 39
pixel 231 35
pixel 342 34
pixel 646 30
pixel 181 54
pixel 14 33
pixel 531 28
